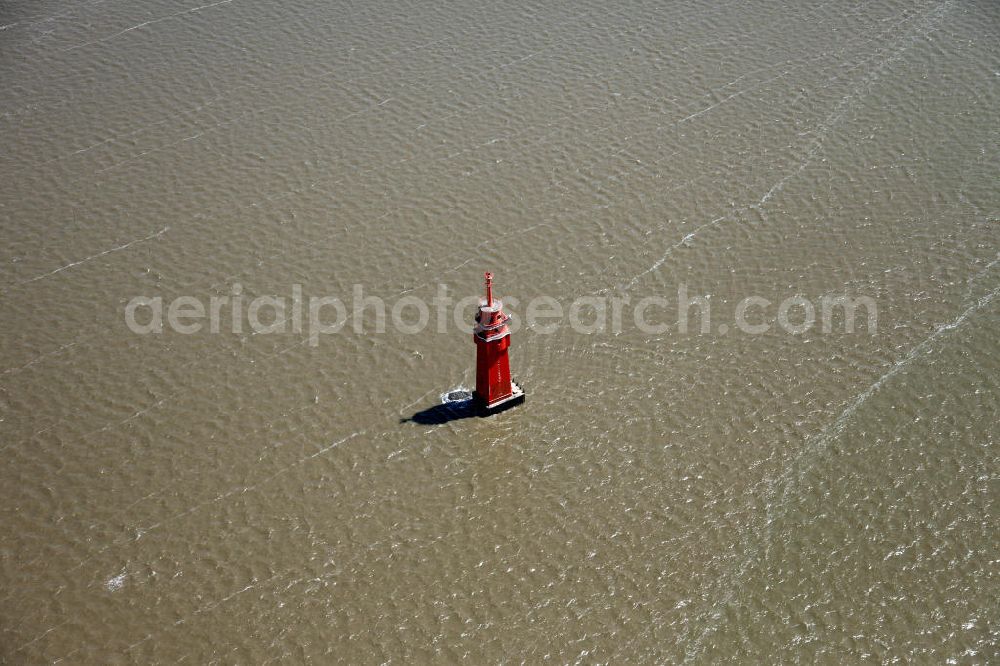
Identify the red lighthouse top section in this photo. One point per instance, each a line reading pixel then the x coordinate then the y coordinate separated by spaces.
pixel 491 321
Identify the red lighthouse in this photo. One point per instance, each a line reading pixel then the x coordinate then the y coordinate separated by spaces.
pixel 494 389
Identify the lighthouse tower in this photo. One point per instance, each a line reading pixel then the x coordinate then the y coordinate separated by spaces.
pixel 494 389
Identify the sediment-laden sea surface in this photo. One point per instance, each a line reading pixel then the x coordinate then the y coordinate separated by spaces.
pixel 252 494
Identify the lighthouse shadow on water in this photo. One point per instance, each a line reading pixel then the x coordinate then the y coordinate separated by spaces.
pixel 457 404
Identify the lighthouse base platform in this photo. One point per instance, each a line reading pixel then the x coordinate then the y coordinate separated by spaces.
pixel 497 406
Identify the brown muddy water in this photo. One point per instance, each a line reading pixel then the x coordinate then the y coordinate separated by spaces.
pixel 662 497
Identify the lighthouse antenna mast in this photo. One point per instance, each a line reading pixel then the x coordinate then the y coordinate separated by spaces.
pixel 489 289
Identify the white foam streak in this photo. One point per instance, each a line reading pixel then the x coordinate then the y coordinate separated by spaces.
pixel 118 248
pixel 144 24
